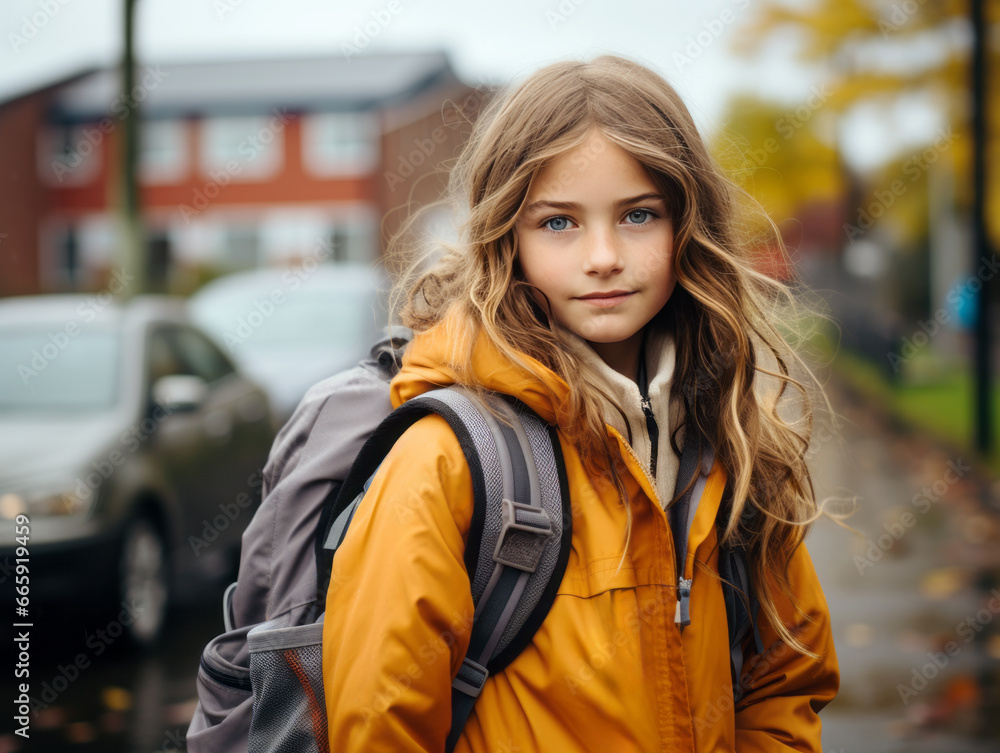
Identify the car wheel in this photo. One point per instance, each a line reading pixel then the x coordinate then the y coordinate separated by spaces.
pixel 143 580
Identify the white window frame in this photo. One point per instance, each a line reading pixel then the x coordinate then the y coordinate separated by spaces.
pixel 355 152
pixel 165 165
pixel 244 149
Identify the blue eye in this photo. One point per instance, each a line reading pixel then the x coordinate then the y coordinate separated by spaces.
pixel 548 223
pixel 642 214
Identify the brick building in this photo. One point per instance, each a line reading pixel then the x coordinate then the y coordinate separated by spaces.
pixel 242 164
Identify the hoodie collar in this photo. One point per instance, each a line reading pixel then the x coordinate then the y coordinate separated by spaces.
pixel 623 410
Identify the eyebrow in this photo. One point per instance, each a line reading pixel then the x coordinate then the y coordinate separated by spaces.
pixel 575 206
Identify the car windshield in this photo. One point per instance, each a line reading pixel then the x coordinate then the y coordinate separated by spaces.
pixel 334 320
pixel 46 369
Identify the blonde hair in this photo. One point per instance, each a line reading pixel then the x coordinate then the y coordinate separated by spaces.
pixel 722 312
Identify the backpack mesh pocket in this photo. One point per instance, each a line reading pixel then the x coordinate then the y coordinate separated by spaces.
pixel 289 708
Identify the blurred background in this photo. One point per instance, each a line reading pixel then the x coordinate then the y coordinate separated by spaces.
pixel 195 201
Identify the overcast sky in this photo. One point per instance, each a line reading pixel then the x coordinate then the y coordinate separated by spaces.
pixel 688 41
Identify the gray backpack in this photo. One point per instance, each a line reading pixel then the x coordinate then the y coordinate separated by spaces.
pixel 260 682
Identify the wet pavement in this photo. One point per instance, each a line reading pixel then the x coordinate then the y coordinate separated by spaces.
pixel 915 600
pixel 915 604
pixel 94 693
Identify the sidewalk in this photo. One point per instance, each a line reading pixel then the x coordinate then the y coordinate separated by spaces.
pixel 915 604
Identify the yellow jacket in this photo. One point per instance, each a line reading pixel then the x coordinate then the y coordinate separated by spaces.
pixel 608 670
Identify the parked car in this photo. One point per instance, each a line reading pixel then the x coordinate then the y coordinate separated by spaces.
pixel 130 441
pixel 290 328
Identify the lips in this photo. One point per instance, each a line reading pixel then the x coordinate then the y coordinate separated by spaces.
pixel 606 298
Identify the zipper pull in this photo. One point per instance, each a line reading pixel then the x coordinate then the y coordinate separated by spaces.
pixel 682 616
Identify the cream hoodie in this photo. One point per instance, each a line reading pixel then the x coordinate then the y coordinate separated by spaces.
pixel 624 411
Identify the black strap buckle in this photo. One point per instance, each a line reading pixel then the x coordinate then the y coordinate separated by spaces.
pixel 525 532
pixel 470 678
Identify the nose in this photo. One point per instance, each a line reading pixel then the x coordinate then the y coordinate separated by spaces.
pixel 601 254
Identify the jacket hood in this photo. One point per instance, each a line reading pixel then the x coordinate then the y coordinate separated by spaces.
pixel 434 357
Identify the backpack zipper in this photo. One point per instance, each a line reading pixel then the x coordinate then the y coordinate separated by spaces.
pixel 224 678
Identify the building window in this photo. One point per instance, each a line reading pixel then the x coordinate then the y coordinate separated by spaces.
pixel 158 260
pixel 249 148
pixel 344 235
pixel 352 242
pixel 70 155
pixel 241 247
pixel 340 143
pixel 163 152
pixel 68 257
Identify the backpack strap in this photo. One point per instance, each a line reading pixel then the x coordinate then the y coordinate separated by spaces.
pixel 519 539
pixel 742 604
pixel 696 464
pixel 697 457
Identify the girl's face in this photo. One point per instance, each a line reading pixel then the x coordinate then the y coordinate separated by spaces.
pixel 594 237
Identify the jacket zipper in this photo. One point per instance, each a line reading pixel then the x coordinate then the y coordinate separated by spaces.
pixel 647 410
pixel 682 614
pixel 654 433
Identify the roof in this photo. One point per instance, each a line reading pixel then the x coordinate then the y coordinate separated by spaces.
pixel 236 87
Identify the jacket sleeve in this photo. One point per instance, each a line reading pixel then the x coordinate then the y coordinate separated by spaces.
pixel 783 689
pixel 399 609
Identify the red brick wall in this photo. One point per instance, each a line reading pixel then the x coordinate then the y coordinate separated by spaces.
pixel 22 197
pixel 430 133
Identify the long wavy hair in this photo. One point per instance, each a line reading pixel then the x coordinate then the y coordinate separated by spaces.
pixel 726 317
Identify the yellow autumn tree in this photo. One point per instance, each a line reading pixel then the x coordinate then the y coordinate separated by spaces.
pixel 878 53
pixel 779 155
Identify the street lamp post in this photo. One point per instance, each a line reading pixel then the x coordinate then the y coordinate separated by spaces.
pixel 983 397
pixel 132 236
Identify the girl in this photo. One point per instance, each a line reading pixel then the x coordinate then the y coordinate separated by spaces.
pixel 599 279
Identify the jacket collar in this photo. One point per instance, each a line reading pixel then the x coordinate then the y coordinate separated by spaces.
pixel 434 357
